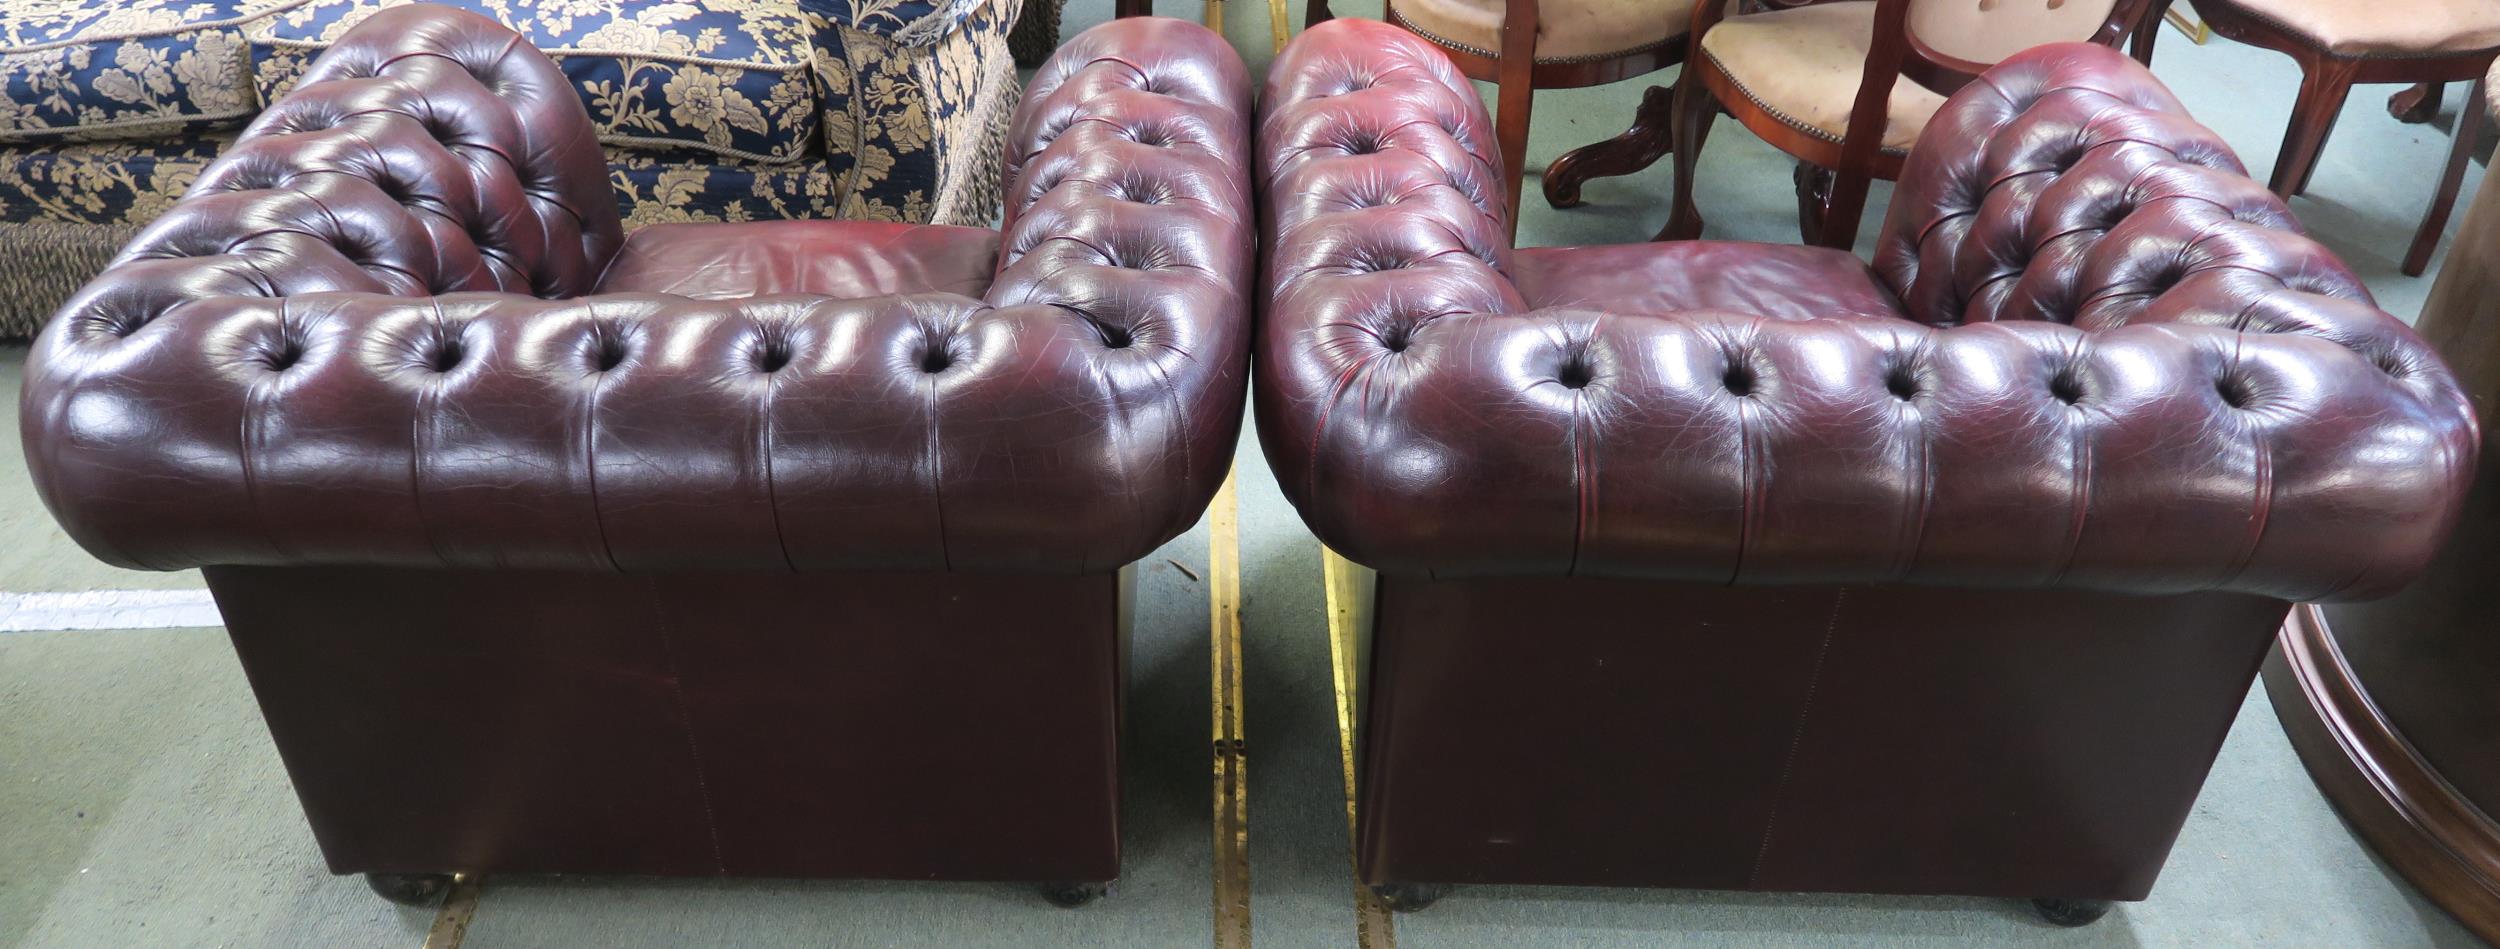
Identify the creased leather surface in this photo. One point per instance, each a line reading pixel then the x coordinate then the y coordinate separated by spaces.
pixel 1789 281
pixel 362 339
pixel 824 258
pixel 2122 366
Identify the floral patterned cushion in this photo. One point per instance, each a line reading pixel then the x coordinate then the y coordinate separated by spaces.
pixel 730 77
pixel 122 69
pixel 908 22
pixel 130 183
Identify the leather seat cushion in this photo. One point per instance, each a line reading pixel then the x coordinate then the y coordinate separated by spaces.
pixel 842 259
pixel 1567 30
pixel 1803 64
pixel 2398 28
pixel 1782 281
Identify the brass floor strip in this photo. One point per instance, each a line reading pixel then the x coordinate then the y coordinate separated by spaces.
pixel 451 924
pixel 1373 928
pixel 1232 758
pixel 2198 31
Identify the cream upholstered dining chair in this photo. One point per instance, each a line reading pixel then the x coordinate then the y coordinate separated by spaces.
pixel 2339 43
pixel 1845 86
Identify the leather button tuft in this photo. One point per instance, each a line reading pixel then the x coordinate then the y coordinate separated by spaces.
pixel 2233 390
pixel 447 355
pixel 607 352
pixel 1575 374
pixel 1739 380
pixel 1902 383
pixel 2066 386
pixel 1398 336
pixel 282 355
pixel 1114 337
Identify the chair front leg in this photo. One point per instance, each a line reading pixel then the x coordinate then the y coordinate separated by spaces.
pixel 1814 195
pixel 2417 103
pixel 1844 202
pixel 1515 99
pixel 2323 85
pixel 2140 44
pixel 2460 150
pixel 1695 109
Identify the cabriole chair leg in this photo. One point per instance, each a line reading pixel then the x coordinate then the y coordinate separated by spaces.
pixel 1651 136
pixel 1695 110
pixel 2417 103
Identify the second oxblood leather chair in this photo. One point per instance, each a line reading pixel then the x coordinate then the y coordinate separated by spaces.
pixel 764 550
pixel 1752 567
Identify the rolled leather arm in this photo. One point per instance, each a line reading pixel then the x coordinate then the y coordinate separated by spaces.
pixel 212 400
pixel 2225 410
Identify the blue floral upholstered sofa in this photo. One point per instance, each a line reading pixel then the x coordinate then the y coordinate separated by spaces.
pixel 708 110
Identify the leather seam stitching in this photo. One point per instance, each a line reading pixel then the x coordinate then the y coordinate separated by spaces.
pixel 1796 737
pixel 685 719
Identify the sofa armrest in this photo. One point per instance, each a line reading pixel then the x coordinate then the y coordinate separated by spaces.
pixel 2301 446
pixel 1128 217
pixel 1376 155
pixel 637 432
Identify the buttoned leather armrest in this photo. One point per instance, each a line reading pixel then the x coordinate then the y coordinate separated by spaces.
pixel 309 360
pixel 2220 407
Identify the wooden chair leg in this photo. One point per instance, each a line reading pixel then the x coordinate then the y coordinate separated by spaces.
pixel 1316 14
pixel 2469 133
pixel 2417 103
pixel 1695 110
pixel 1814 198
pixel 1130 8
pixel 1513 102
pixel 2323 86
pixel 2326 130
pixel 1844 203
pixel 2140 42
pixel 1514 98
pixel 1651 136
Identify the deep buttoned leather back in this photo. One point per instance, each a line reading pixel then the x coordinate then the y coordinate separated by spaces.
pixel 430 152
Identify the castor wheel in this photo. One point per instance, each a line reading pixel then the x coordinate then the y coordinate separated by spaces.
pixel 1073 895
pixel 421 890
pixel 1409 897
pixel 2070 912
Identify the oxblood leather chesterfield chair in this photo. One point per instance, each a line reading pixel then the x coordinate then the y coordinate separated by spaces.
pixel 790 549
pixel 1742 566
